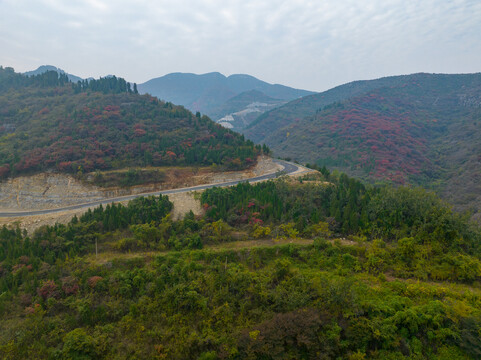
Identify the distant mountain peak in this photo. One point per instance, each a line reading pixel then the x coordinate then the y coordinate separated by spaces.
pixel 44 68
pixel 240 76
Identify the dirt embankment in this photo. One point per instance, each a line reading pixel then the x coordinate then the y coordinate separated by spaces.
pixel 49 191
pixel 183 203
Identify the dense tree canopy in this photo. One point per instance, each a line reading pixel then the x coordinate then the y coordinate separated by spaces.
pixel 404 284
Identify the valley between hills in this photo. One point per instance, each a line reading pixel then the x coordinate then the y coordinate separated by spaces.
pixel 354 256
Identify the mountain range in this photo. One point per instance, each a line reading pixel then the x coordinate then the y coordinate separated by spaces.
pixel 233 101
pixel 320 265
pixel 422 129
pixel 217 95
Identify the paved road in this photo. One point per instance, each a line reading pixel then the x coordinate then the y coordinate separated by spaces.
pixel 289 168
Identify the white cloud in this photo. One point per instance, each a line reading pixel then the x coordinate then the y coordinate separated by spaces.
pixel 303 43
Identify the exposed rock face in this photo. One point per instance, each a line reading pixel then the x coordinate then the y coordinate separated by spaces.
pixel 53 191
pixel 49 190
pixel 44 191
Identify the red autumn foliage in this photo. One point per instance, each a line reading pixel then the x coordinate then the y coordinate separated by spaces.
pixel 4 170
pixel 104 131
pixel 65 166
pixel 47 290
pixel 70 286
pixel 30 310
pixel 92 281
pixel 140 132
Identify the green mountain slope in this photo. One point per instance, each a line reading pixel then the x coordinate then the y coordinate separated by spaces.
pixel 47 123
pixel 421 129
pixel 128 282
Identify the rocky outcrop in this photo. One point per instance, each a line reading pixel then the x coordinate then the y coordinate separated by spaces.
pixel 45 191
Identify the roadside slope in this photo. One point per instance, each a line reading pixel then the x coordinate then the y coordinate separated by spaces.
pixel 184 199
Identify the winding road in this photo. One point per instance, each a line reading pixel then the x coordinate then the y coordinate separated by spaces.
pixel 288 168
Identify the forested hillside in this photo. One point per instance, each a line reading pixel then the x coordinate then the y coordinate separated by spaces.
pixel 48 123
pixel 308 105
pixel 391 273
pixel 422 129
pixel 321 266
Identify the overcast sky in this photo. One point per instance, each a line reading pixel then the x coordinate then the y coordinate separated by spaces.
pixel 313 45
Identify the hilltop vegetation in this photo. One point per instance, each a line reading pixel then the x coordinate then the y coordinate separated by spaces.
pixel 421 129
pixel 48 123
pixel 44 68
pixel 406 286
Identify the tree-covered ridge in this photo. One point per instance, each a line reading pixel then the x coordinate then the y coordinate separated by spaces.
pixel 104 125
pixel 403 290
pixel 10 79
pixel 349 208
pixel 110 84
